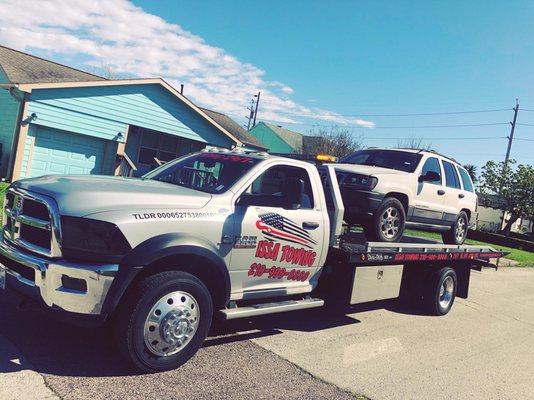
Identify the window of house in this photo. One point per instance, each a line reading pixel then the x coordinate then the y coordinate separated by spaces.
pixel 165 148
pixel 466 180
pixel 451 177
pixel 432 164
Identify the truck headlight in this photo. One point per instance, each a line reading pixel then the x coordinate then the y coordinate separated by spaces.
pixel 92 240
pixel 357 181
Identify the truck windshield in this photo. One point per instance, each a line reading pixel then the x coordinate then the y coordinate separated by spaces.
pixel 207 172
pixel 392 159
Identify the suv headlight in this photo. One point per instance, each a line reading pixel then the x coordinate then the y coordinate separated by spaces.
pixel 357 181
pixel 92 240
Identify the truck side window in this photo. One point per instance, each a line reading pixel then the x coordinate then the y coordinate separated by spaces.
pixel 270 186
pixel 432 164
pixel 451 177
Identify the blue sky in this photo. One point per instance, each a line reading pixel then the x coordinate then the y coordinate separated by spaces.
pixel 318 62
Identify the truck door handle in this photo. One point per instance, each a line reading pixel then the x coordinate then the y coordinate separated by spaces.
pixel 310 225
pixel 461 195
pixel 441 192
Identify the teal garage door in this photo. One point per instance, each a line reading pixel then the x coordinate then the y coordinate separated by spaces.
pixel 60 152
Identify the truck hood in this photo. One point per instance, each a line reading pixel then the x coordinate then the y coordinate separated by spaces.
pixel 367 169
pixel 81 195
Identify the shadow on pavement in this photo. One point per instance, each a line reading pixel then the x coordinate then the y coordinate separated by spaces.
pixel 57 348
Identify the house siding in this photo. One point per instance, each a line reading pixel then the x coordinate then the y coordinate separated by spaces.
pixel 105 111
pixel 271 140
pixel 9 109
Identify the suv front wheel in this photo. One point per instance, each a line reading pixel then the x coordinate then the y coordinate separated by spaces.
pixel 458 232
pixel 387 223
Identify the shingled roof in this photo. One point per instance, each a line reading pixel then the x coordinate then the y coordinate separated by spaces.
pixel 235 129
pixel 293 139
pixel 21 67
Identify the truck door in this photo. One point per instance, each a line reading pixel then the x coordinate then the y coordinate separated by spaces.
pixel 280 233
pixel 428 201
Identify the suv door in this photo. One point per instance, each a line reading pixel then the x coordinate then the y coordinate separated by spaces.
pixel 278 241
pixel 428 201
pixel 453 193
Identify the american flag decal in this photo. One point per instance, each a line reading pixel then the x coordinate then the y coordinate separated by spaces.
pixel 275 226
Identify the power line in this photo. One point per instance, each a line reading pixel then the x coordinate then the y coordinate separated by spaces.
pixel 525 140
pixel 519 123
pixel 390 127
pixel 418 114
pixel 437 138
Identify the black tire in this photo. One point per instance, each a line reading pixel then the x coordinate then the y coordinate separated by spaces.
pixel 373 229
pixel 131 317
pixel 436 301
pixel 452 236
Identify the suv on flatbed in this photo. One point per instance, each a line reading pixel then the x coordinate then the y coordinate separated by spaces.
pixel 387 189
pixel 234 234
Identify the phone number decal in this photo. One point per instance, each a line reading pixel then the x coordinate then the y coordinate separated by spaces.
pixel 257 270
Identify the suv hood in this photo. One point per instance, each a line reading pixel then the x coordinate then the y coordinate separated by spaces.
pixel 81 195
pixel 367 169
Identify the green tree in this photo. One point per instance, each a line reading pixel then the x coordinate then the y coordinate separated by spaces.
pixel 472 171
pixel 514 186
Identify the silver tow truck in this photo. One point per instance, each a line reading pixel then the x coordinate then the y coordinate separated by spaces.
pixel 227 234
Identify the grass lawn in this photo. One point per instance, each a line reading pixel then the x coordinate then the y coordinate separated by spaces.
pixel 525 258
pixel 3 187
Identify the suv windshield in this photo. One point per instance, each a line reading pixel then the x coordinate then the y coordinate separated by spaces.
pixel 392 159
pixel 207 172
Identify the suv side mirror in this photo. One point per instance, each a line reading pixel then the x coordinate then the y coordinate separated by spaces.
pixel 293 193
pixel 430 176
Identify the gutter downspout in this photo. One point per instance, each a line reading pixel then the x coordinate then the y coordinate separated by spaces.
pixel 16 133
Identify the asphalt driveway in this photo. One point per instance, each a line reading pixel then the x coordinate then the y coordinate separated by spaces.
pixel 482 350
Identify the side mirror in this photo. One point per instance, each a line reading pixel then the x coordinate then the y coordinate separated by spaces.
pixel 430 176
pixel 293 193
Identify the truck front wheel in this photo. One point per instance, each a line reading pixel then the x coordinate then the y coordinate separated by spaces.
pixel 163 321
pixel 440 291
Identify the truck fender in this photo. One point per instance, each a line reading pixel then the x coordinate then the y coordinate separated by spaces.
pixel 157 248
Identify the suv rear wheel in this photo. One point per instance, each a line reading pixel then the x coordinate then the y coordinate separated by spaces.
pixel 458 232
pixel 387 223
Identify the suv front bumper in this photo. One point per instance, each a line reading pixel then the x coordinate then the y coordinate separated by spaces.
pixel 41 279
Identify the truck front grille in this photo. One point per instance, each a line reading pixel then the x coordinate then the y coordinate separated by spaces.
pixel 31 222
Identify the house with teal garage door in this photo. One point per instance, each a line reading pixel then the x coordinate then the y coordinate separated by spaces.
pixel 59 120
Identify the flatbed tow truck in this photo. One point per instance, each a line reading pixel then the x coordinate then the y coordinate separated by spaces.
pixel 229 233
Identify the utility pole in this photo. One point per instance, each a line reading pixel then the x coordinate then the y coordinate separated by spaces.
pixel 253 110
pixel 256 111
pixel 511 137
pixel 251 114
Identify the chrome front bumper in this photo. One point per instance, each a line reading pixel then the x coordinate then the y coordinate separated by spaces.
pixel 48 274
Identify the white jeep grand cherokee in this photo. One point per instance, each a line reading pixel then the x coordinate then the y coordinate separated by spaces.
pixel 387 189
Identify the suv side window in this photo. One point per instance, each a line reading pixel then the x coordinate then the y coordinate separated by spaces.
pixel 466 179
pixel 451 177
pixel 432 164
pixel 270 186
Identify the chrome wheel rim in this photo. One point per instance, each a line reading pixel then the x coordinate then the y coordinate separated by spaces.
pixel 446 291
pixel 460 229
pixel 171 324
pixel 390 222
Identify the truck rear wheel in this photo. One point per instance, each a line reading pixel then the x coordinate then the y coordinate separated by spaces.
pixel 440 291
pixel 164 321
